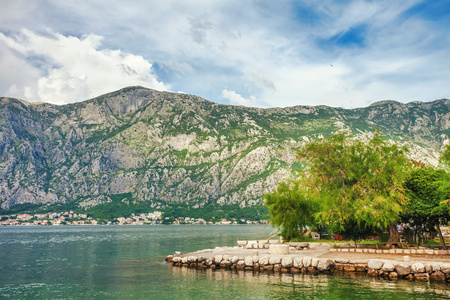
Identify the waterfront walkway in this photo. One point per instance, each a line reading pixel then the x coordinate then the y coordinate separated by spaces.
pixel 326 250
pixel 420 264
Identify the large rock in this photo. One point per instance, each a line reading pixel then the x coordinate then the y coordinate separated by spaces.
pixel 445 268
pixel 393 275
pixel 225 264
pixel 287 262
pixel 274 260
pixel 277 268
pixel 325 264
pixel 248 261
pixel 403 269
pixel 422 276
pixel 218 259
pixel 298 262
pixel 361 267
pixel 437 276
pixel 418 268
pixel 349 268
pixel 307 261
pixel 268 267
pixel 240 263
pixel 263 261
pixel 435 266
pixel 428 268
pixel 388 267
pixel 209 261
pixel 375 264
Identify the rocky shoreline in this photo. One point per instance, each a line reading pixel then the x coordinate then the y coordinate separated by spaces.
pixel 312 259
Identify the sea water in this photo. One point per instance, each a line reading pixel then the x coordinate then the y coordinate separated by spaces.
pixel 127 262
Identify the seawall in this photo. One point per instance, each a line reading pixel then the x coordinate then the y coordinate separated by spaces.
pixel 316 259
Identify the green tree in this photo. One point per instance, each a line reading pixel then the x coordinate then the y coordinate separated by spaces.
pixel 289 209
pixel 427 190
pixel 356 182
pixel 445 155
pixel 355 230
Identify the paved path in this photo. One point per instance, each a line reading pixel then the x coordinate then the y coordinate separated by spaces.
pixel 319 251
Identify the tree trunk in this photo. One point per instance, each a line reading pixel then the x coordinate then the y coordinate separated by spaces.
pixel 394 237
pixel 440 235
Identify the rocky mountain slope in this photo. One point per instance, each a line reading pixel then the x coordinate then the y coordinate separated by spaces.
pixel 142 145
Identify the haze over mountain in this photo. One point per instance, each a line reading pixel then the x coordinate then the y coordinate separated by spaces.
pixel 144 146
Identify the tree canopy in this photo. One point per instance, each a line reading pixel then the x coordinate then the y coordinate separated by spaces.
pixel 356 181
pixel 445 155
pixel 427 189
pixel 349 181
pixel 290 209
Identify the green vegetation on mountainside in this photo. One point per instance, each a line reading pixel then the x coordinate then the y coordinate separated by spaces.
pixel 169 149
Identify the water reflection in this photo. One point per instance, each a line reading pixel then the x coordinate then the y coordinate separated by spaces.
pixel 342 286
pixel 111 262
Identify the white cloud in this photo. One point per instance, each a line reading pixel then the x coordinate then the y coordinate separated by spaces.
pixel 59 87
pixel 15 72
pixel 73 69
pixel 237 99
pixel 270 50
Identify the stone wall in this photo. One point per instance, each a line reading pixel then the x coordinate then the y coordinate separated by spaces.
pixel 392 251
pixel 435 271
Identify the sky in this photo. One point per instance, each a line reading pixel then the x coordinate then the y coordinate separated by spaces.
pixel 347 53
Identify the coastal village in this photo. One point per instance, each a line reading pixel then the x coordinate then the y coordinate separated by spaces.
pixel 72 218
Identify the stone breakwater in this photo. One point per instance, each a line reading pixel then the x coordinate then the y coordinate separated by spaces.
pixel 237 258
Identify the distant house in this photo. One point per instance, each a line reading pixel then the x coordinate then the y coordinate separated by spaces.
pixel 40 216
pixel 24 217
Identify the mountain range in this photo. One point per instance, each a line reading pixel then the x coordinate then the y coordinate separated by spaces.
pixel 161 149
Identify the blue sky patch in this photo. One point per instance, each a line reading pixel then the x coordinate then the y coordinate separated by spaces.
pixel 305 15
pixel 432 11
pixel 355 37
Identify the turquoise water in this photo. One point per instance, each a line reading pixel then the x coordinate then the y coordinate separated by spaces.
pixel 126 262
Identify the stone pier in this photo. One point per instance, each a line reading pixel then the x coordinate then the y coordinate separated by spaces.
pixel 314 259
